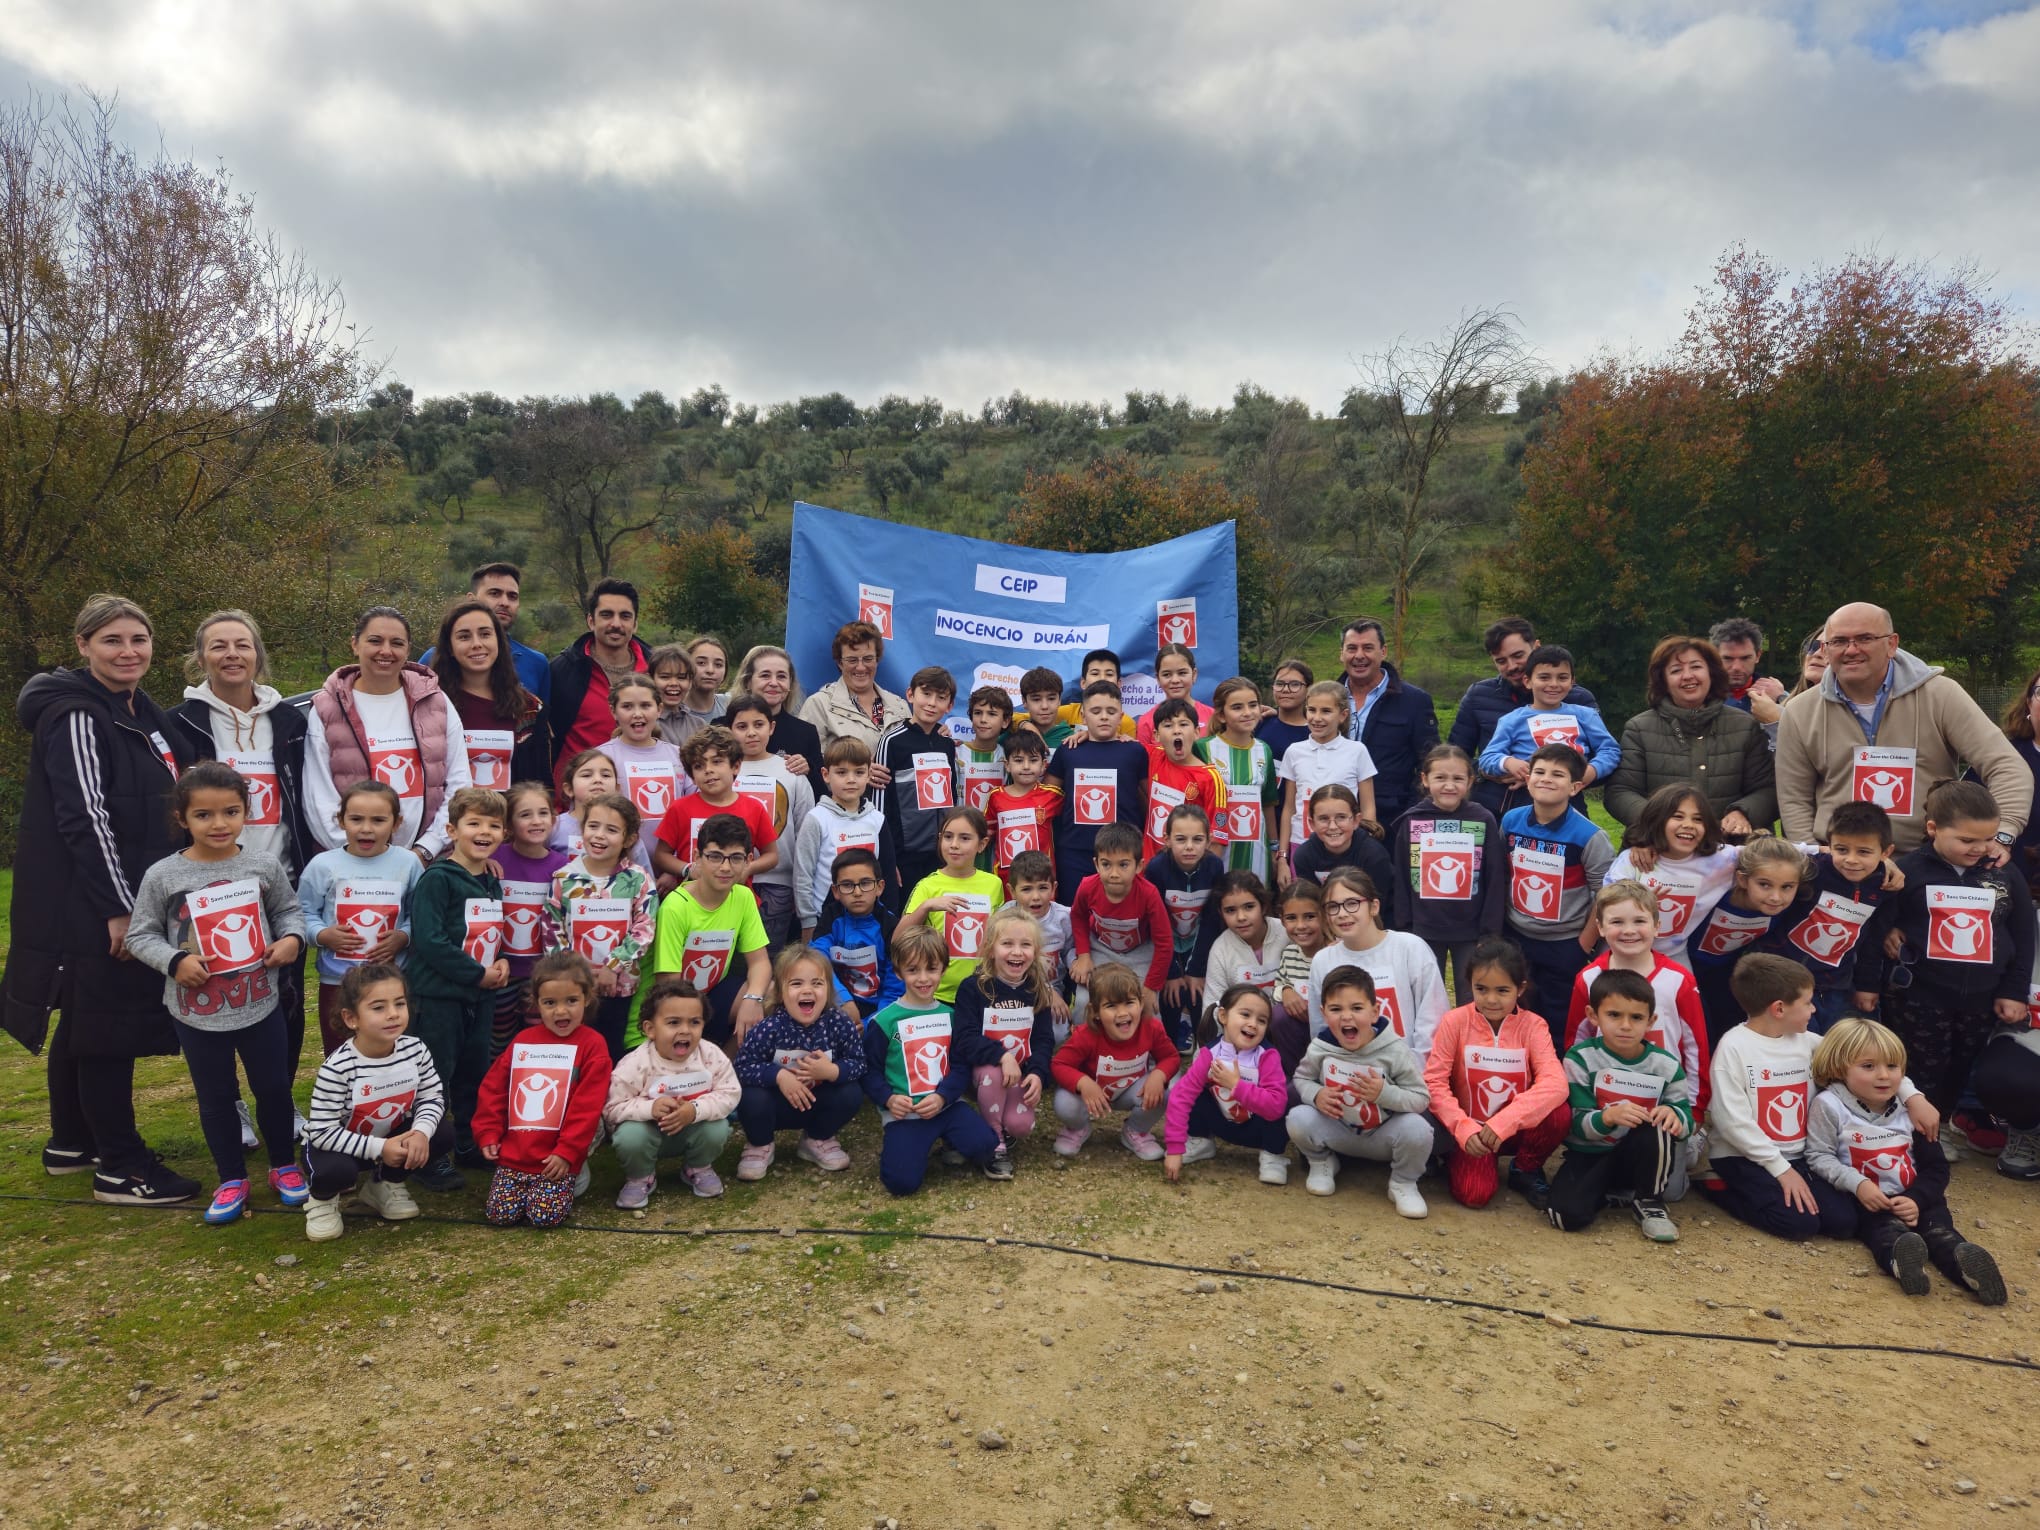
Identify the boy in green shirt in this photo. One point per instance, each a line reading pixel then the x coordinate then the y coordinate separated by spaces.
pixel 711 920
pixel 911 1073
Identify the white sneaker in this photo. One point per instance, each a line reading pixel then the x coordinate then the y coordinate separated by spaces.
pixel 582 1180
pixel 248 1137
pixel 1408 1200
pixel 1197 1149
pixel 298 1124
pixel 1274 1168
pixel 389 1199
pixel 754 1161
pixel 1323 1178
pixel 322 1220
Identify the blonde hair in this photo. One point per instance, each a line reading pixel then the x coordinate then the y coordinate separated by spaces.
pixel 1628 890
pixel 919 945
pixel 792 957
pixel 749 666
pixel 1850 1038
pixel 102 609
pixel 1037 970
pixel 194 662
pixel 1334 689
pixel 1769 850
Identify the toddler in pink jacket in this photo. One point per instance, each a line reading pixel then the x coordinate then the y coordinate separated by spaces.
pixel 1233 1088
pixel 672 1097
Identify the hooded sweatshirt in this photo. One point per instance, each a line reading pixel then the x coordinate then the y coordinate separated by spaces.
pixel 825 833
pixel 267 746
pixel 1848 1142
pixel 1925 713
pixel 1328 1063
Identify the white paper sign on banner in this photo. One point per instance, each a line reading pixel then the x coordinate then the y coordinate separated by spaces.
pixel 229 926
pixel 875 606
pixel 1176 621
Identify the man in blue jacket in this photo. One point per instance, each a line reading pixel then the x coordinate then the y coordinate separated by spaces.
pixel 1396 721
pixel 1509 643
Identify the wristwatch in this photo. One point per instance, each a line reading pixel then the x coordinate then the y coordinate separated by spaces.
pixel 2005 837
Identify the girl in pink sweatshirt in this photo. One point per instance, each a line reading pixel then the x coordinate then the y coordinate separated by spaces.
pixel 1496 1084
pixel 1233 1088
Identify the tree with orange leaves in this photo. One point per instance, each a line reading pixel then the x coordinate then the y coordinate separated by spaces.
pixel 1869 432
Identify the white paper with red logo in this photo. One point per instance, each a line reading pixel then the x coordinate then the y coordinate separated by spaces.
pixel 1553 728
pixel 934 783
pixel 980 779
pixel 1494 1077
pixel 541 1073
pixel 1162 801
pixel 1728 933
pixel 1094 796
pixel 856 969
pixel 1117 1075
pixel 793 1057
pixel 705 956
pixel 1119 936
pixel 2033 1007
pixel 1012 1026
pixel 1536 878
pixel 1445 866
pixel 1019 831
pixel 1176 621
pixel 924 1048
pixel 488 752
pixel 397 764
pixel 1829 932
pixel 1881 1153
pixel 1186 913
pixel 1263 975
pixel 653 786
pixel 761 787
pixel 523 911
pixel 1959 924
pixel 596 927
pixel 228 925
pixel 484 925
pixel 1391 1006
pixel 369 907
pixel 963 929
pixel 1782 1098
pixel 1242 820
pixel 1627 1086
pixel 842 838
pixel 689 1084
pixel 383 1099
pixel 163 751
pixel 874 605
pixel 1345 1077
pixel 1229 1106
pixel 265 797
pixel 1678 895
pixel 1887 777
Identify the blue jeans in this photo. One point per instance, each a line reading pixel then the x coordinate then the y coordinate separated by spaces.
pixel 764 1111
pixel 904 1149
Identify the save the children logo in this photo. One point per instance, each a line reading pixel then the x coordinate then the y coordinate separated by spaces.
pixel 875 607
pixel 1176 621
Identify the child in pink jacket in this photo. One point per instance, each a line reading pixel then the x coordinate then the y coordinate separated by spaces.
pixel 1233 1088
pixel 1496 1084
pixel 672 1097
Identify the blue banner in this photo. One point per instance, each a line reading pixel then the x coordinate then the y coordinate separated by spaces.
pixel 989 611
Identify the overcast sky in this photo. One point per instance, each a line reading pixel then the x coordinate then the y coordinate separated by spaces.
pixel 790 196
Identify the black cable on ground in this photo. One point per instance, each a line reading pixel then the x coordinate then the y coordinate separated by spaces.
pixel 2004 1362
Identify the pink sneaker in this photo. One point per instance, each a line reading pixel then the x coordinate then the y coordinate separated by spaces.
pixel 704 1182
pixel 1142 1145
pixel 823 1153
pixel 289 1185
pixel 1069 1142
pixel 754 1161
pixel 229 1202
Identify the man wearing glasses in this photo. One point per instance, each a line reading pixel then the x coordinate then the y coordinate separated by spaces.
pixel 1883 726
pixel 1486 702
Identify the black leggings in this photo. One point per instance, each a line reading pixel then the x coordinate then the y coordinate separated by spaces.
pixel 92 1106
pixel 2008 1082
pixel 264 1052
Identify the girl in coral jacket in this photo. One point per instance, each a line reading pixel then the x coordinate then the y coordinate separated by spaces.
pixel 1496 1084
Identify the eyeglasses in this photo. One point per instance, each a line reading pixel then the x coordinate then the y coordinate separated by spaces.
pixel 861 885
pixel 1854 640
pixel 1288 685
pixel 1345 906
pixel 724 857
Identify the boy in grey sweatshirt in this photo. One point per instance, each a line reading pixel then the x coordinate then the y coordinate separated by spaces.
pixel 1362 1094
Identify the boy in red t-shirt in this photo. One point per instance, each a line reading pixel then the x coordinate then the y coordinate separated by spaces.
pixel 1021 814
pixel 1120 914
pixel 1176 777
pixel 711 758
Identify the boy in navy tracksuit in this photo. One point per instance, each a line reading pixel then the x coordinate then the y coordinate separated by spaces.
pixel 922 760
pixel 1967 953
pixel 854 932
pixel 1103 779
pixel 1829 925
pixel 1557 860
pixel 1184 873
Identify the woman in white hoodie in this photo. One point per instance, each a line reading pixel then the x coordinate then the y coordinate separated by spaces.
pixel 231 714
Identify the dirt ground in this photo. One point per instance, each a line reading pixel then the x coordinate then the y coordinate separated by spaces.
pixel 439 1374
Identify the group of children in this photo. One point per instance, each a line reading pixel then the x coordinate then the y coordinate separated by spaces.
pixel 1183 926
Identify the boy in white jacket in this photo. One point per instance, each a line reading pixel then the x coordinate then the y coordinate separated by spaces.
pixel 1363 1094
pixel 841 820
pixel 672 1097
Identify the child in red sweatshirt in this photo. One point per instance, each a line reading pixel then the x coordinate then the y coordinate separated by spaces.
pixel 542 1101
pixel 1120 1059
pixel 1120 914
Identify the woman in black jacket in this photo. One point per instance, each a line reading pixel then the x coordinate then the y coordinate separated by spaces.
pixel 95 815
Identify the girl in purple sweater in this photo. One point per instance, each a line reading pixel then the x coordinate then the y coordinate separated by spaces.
pixel 1233 1088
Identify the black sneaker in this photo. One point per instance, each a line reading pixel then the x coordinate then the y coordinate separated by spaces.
pixel 1978 1271
pixel 1909 1264
pixel 1531 1185
pixel 470 1157
pixel 157 1185
pixel 59 1160
pixel 1000 1164
pixel 440 1174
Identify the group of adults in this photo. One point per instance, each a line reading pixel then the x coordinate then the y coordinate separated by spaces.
pixel 104 756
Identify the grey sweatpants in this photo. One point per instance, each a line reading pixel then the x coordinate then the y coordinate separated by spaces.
pixel 1402 1141
pixel 1071 1114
